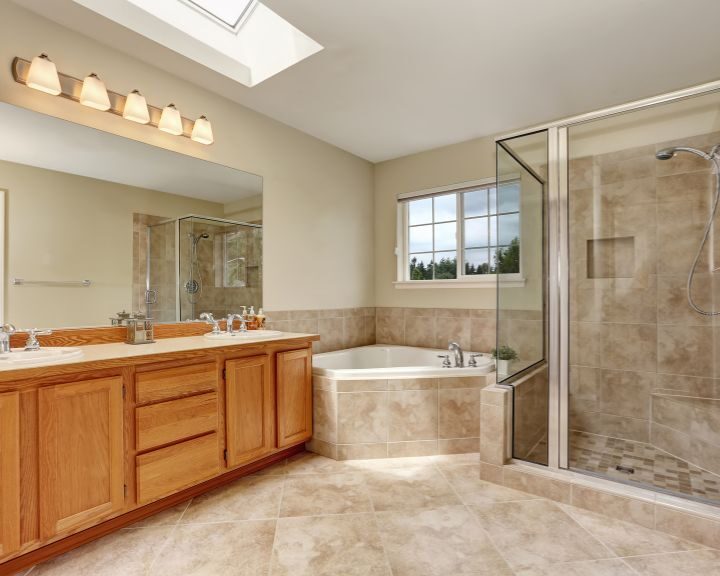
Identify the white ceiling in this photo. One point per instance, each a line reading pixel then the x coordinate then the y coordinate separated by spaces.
pixel 401 76
pixel 48 142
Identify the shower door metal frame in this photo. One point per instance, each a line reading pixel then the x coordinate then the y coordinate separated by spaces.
pixel 558 257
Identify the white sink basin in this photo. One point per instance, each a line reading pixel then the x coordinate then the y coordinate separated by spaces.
pixel 47 355
pixel 249 335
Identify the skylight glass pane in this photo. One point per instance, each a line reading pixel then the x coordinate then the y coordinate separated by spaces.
pixel 229 13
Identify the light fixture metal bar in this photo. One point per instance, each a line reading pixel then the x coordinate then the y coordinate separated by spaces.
pixel 72 86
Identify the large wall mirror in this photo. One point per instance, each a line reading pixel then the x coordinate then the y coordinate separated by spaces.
pixel 97 224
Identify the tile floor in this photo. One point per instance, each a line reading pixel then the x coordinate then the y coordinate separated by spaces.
pixel 601 454
pixel 433 516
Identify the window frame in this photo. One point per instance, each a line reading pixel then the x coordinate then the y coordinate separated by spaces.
pixel 462 280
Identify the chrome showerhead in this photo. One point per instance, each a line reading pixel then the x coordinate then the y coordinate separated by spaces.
pixel 666 153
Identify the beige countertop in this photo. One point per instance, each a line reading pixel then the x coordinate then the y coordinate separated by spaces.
pixel 121 351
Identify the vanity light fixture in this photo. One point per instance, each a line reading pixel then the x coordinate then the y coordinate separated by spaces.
pixel 202 131
pixel 136 108
pixel 171 121
pixel 94 94
pixel 43 75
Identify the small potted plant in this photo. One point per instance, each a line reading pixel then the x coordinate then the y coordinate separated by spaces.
pixel 503 355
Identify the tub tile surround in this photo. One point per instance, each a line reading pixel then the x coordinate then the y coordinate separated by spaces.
pixel 423 516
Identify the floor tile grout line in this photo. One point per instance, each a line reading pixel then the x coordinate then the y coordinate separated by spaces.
pixel 170 536
pixel 596 538
pixel 277 523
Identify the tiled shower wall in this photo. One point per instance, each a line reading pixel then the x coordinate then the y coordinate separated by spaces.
pixel 635 225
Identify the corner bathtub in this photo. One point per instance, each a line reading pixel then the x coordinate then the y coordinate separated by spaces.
pixel 384 362
pixel 391 401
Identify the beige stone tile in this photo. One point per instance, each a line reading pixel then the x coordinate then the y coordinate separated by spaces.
pixel 237 548
pixel 624 538
pixel 329 546
pixel 362 451
pixel 459 413
pixel 636 511
pixel 447 540
pixel 482 334
pixel 580 173
pixel 322 383
pixel 685 350
pixel 452 312
pixel 306 326
pixel 325 415
pixel 463 382
pixel 304 314
pixel 420 331
pixel 695 563
pixel 494 395
pixel 354 332
pixel 451 460
pixel 672 305
pixel 412 384
pixel 123 553
pixel 412 415
pixel 678 236
pixel 409 488
pixel 418 448
pixel 331 333
pixel 452 330
pixel 612 567
pixel 465 480
pixel 315 495
pixel 389 329
pixel 627 169
pixel 362 418
pixel 307 463
pixel 370 327
pixel 540 485
pixel 492 434
pixel 373 385
pixel 586 346
pixel 491 473
pixel 687 526
pixel 326 449
pixel 458 445
pixel 251 498
pixel 635 429
pixel 629 347
pixel 167 517
pixel 536 533
pixel 625 393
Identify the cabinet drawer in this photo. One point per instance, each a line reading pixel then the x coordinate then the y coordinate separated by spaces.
pixel 158 385
pixel 164 471
pixel 175 420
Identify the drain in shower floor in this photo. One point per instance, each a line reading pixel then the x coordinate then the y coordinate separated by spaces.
pixel 625 469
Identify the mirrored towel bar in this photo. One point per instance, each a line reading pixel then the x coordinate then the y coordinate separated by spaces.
pixel 23 282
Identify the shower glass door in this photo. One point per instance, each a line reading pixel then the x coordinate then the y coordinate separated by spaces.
pixel 643 404
pixel 518 230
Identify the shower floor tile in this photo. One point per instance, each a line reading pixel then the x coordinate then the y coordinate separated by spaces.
pixel 603 454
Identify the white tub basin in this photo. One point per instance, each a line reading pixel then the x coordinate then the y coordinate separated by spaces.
pixel 47 355
pixel 249 335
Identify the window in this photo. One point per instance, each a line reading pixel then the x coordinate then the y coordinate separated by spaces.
pixel 461 234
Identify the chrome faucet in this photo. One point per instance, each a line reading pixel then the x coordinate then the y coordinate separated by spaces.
pixel 32 343
pixel 210 319
pixel 455 349
pixel 6 331
pixel 231 319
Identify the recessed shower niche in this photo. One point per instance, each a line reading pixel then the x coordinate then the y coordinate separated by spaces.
pixel 611 257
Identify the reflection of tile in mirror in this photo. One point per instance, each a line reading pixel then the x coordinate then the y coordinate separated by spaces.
pixel 611 257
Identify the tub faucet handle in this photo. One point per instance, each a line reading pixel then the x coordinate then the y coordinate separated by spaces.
pixel 446 360
pixel 472 363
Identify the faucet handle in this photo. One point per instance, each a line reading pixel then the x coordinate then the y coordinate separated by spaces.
pixel 32 342
pixel 210 319
pixel 446 360
pixel 472 363
pixel 8 328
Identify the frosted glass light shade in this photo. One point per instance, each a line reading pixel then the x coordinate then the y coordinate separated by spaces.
pixel 170 120
pixel 136 108
pixel 94 94
pixel 43 75
pixel 202 131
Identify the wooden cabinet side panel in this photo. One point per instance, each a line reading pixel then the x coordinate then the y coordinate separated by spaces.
pixel 250 409
pixel 294 389
pixel 80 453
pixel 9 472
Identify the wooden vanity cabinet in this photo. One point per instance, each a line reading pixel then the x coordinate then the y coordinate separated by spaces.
pixel 294 396
pixel 80 453
pixel 249 409
pixel 9 472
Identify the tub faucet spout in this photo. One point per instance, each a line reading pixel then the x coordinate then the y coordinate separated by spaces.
pixel 456 350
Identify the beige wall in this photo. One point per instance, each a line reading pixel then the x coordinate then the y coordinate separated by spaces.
pixel 62 226
pixel 317 202
pixel 461 162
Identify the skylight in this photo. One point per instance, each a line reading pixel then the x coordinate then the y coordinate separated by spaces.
pixel 243 39
pixel 228 13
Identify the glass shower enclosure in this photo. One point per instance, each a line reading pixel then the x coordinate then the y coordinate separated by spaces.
pixel 199 264
pixel 631 365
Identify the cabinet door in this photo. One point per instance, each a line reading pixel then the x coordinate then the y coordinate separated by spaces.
pixel 250 414
pixel 9 472
pixel 80 453
pixel 294 390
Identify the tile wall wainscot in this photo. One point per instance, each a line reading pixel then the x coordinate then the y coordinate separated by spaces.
pixel 644 365
pixel 674 516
